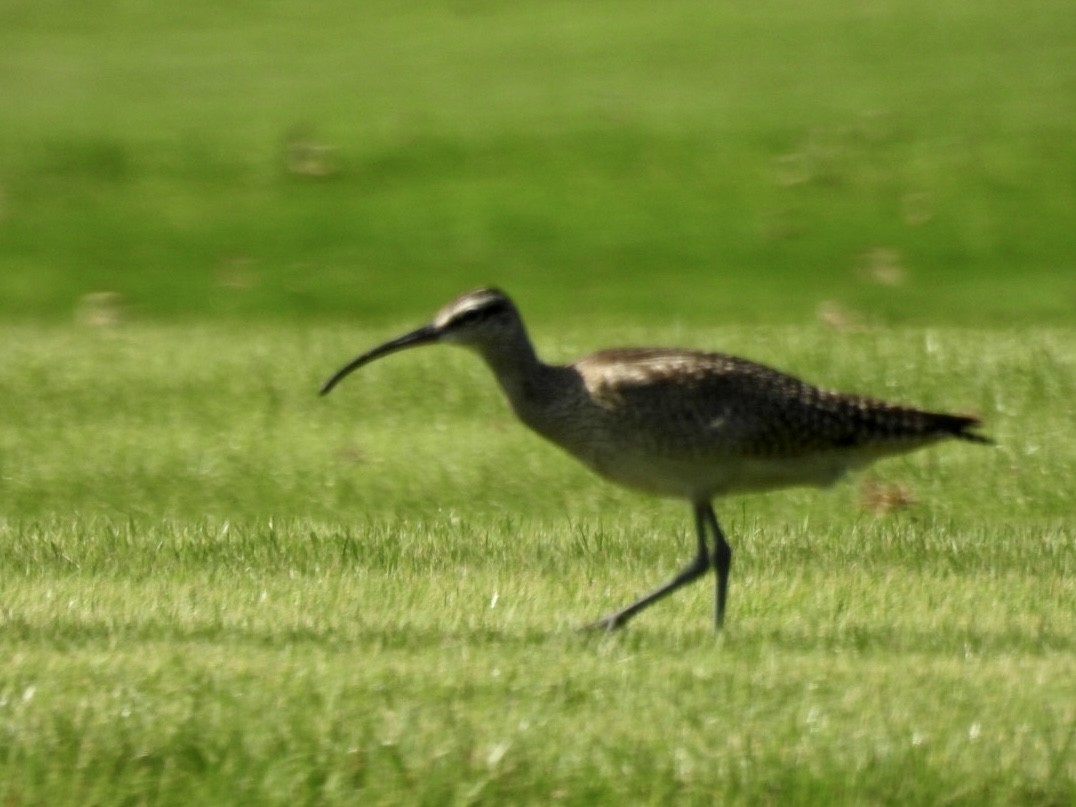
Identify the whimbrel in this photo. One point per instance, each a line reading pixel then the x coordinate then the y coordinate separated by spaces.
pixel 679 423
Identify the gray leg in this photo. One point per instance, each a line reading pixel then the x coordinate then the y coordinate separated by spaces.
pixel 704 515
pixel 722 560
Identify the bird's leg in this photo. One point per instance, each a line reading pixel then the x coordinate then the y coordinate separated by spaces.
pixel 698 567
pixel 722 560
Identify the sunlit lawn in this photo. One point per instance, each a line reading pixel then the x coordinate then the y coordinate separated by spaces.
pixel 219 588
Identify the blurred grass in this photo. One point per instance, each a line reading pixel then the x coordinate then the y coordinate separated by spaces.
pixel 688 162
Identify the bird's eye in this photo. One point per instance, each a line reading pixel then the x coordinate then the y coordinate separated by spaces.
pixel 473 315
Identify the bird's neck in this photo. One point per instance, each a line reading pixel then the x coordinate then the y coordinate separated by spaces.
pixel 512 361
pixel 521 374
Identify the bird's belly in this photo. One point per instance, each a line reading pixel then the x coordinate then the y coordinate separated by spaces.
pixel 700 479
pixel 636 458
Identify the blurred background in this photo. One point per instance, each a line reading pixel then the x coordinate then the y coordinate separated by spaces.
pixel 888 162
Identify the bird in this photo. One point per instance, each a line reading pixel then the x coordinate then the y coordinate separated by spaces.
pixel 678 423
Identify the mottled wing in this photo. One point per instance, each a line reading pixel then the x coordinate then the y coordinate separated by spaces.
pixel 680 402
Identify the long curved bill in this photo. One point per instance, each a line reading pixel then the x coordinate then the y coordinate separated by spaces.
pixel 423 336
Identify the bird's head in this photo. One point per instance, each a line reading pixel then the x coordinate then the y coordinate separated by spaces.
pixel 479 319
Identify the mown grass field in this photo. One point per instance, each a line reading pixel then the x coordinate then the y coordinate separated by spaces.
pixel 217 588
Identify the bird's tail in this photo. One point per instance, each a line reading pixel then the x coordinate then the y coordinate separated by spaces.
pixel 960 426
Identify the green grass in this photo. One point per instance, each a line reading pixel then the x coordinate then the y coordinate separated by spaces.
pixel 216 588
pixel 685 160
pixel 219 588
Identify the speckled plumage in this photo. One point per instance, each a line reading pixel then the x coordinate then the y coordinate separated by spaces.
pixel 680 423
pixel 742 426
